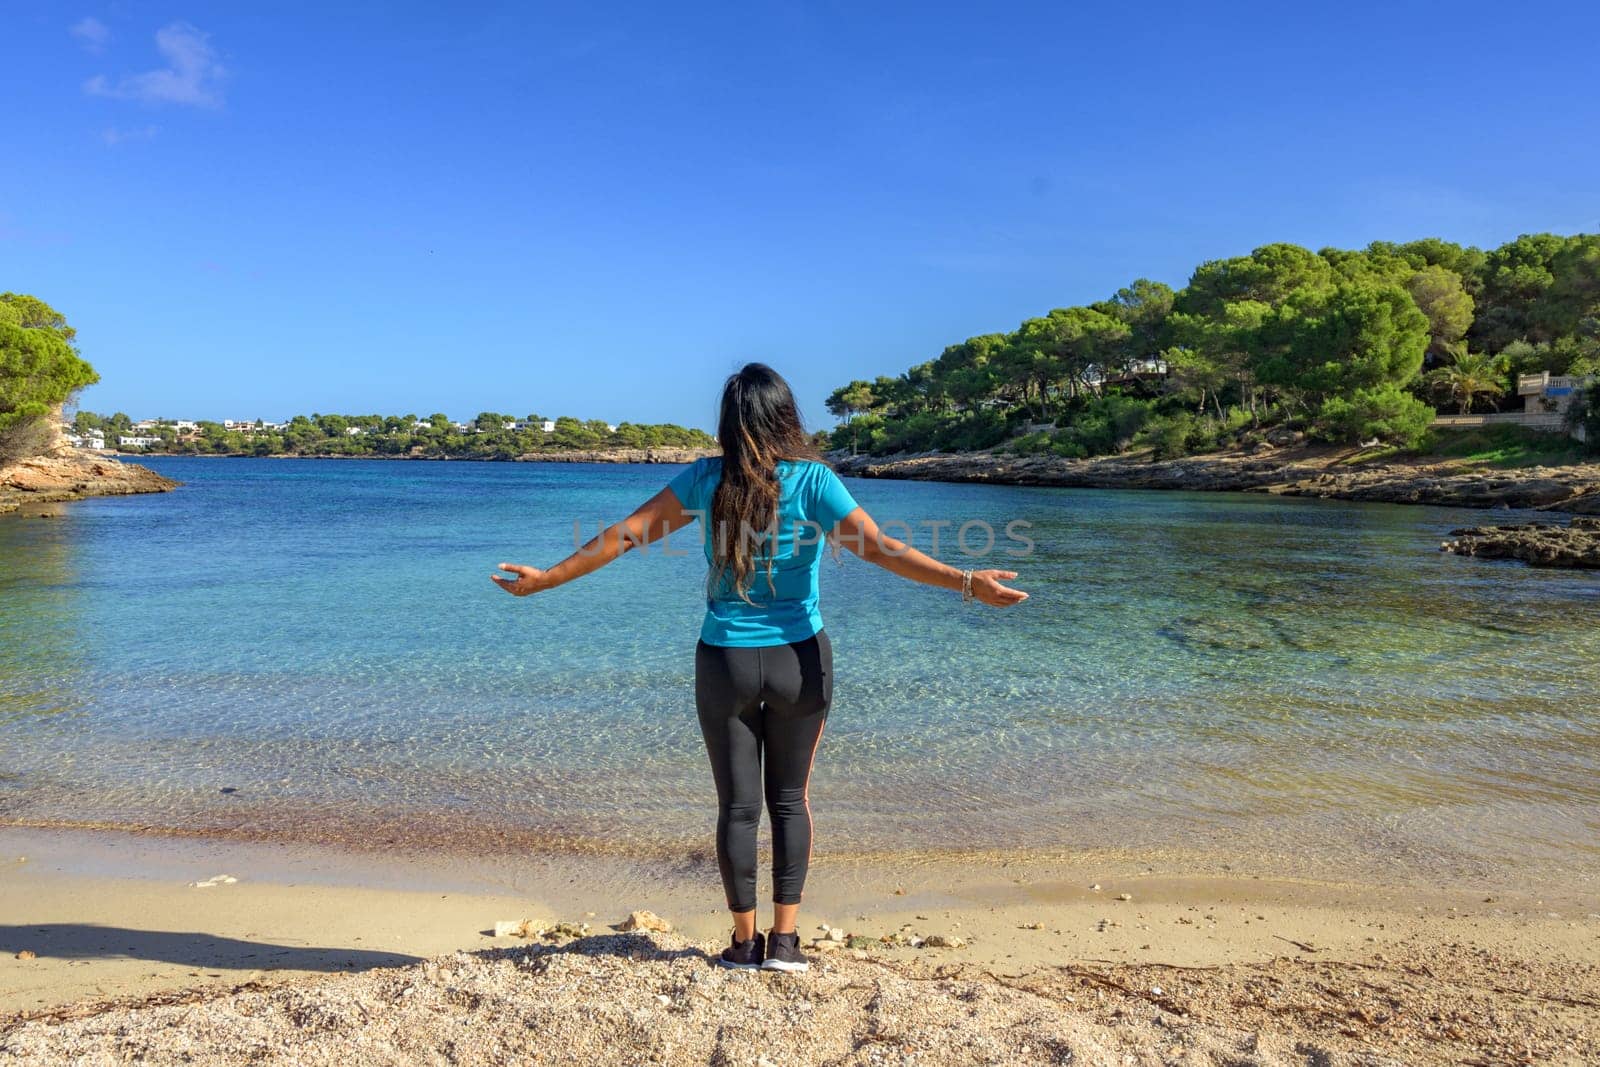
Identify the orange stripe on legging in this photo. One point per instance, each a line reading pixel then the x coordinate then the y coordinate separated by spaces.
pixel 811 827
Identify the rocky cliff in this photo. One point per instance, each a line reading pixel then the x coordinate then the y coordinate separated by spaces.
pixel 71 474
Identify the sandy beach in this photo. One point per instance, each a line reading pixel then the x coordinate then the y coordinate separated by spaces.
pixel 118 945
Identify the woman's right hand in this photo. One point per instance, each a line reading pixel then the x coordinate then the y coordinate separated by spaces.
pixel 987 588
pixel 527 580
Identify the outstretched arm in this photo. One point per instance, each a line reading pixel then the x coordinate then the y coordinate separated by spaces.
pixel 653 520
pixel 861 535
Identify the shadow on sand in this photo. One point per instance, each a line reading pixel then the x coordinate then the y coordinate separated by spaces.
pixel 88 941
pixel 632 946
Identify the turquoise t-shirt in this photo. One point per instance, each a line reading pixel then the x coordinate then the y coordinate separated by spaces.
pixel 811 501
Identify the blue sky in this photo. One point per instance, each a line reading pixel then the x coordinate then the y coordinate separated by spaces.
pixel 253 210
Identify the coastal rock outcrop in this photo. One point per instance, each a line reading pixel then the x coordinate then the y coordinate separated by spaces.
pixel 1574 489
pixel 71 474
pixel 1538 544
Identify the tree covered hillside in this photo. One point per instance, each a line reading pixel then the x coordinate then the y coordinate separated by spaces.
pixel 487 436
pixel 1346 345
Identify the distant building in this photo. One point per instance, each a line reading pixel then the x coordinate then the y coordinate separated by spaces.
pixel 1546 393
pixel 611 427
pixel 95 439
pixel 354 431
pixel 1547 400
pixel 135 441
pixel 1134 371
pixel 548 426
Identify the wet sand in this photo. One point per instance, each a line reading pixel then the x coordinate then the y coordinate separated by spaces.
pixel 103 920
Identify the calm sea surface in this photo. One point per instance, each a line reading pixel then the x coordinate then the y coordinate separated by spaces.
pixel 312 649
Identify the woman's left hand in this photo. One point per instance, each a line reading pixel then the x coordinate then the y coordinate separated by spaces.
pixel 987 588
pixel 527 580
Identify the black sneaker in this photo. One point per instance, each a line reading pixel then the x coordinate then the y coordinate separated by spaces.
pixel 743 955
pixel 783 953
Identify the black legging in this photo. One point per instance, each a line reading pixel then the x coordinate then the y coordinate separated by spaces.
pixel 763 702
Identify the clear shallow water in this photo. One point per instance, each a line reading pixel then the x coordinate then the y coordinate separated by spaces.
pixel 1237 674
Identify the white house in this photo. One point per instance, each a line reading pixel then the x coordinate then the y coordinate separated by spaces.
pixel 354 431
pixel 133 441
pixel 95 439
pixel 1546 393
pixel 1547 400
pixel 185 426
pixel 548 426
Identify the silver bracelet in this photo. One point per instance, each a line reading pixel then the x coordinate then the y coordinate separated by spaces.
pixel 966 587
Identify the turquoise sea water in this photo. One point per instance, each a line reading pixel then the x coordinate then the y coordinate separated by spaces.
pixel 312 649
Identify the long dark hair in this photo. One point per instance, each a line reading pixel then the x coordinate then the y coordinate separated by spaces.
pixel 759 425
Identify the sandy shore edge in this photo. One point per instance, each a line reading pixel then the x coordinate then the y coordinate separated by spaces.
pixel 304 953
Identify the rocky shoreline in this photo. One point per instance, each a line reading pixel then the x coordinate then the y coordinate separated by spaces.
pixel 1284 472
pixel 71 474
pixel 1538 544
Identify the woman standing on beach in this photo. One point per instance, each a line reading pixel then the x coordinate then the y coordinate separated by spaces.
pixel 763 666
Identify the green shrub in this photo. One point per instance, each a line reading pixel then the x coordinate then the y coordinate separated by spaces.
pixel 861 434
pixel 1168 435
pixel 1029 444
pixel 1101 426
pixel 1387 412
pixel 1069 450
pixel 973 430
pixel 914 434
